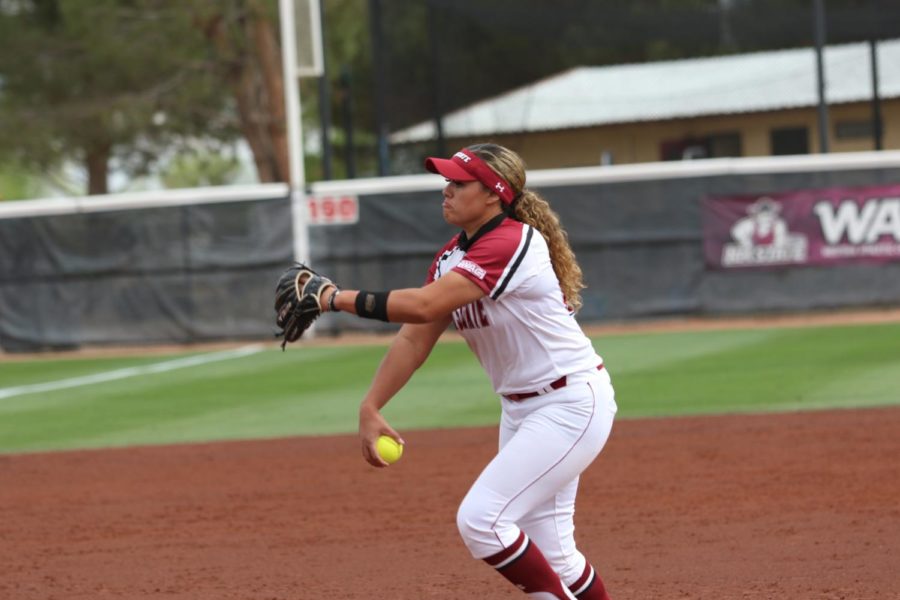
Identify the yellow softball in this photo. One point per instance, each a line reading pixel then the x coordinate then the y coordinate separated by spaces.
pixel 388 449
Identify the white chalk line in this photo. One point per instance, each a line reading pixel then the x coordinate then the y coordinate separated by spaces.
pixel 169 365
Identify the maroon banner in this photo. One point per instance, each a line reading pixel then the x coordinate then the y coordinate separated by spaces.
pixel 803 227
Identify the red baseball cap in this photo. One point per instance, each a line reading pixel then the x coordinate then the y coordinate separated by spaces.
pixel 466 166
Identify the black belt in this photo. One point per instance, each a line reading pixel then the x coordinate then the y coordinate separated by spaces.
pixel 559 383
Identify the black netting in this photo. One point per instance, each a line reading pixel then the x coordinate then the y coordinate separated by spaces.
pixel 152 275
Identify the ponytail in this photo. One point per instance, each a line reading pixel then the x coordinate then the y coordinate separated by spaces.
pixel 533 210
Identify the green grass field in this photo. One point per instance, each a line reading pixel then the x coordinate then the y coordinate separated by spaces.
pixel 314 390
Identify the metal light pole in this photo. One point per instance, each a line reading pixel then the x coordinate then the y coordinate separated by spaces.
pixel 325 108
pixel 877 133
pixel 291 74
pixel 436 94
pixel 381 126
pixel 297 181
pixel 819 27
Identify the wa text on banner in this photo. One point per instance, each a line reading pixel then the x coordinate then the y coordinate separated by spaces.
pixel 826 226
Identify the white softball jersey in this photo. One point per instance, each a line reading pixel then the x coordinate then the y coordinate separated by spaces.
pixel 522 331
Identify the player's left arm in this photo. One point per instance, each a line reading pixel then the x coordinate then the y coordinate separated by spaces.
pixel 422 305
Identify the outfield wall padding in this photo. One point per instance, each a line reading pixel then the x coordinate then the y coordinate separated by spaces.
pixel 205 271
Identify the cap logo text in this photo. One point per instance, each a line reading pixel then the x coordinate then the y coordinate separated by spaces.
pixel 463 157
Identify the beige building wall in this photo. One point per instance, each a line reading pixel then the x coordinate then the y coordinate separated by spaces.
pixel 641 142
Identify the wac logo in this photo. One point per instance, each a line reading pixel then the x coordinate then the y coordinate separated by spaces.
pixel 873 221
pixel 463 157
pixel 826 226
pixel 762 238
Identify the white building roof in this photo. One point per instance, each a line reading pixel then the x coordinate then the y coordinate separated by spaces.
pixel 741 83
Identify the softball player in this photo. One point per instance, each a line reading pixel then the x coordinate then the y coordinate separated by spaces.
pixel 510 284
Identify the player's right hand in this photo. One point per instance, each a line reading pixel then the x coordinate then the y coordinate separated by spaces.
pixel 371 426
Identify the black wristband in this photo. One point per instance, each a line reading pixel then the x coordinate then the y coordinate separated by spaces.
pixel 372 305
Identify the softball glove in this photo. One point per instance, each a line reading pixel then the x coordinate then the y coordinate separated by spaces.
pixel 298 301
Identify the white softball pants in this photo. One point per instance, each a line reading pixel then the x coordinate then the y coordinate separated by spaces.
pixel 546 442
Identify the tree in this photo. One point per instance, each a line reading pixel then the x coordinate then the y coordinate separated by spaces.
pixel 200 168
pixel 246 48
pixel 103 81
pixel 125 82
pixel 16 184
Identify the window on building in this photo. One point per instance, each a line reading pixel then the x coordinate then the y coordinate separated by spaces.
pixel 716 145
pixel 789 140
pixel 725 144
pixel 853 130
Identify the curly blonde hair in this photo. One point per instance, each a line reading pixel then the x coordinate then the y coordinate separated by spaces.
pixel 529 207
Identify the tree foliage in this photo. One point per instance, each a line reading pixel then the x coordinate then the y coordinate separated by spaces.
pixel 103 81
pixel 126 82
pixel 17 184
pixel 243 39
pixel 200 168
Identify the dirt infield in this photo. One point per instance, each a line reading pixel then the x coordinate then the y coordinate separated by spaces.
pixel 798 506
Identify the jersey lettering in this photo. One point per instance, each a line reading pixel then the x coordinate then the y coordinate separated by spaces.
pixel 522 294
pixel 470 316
